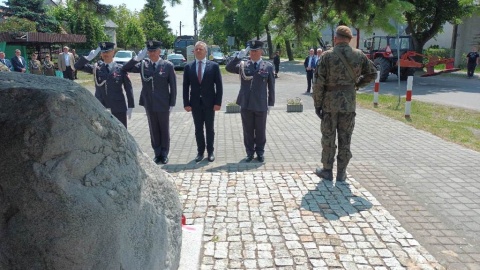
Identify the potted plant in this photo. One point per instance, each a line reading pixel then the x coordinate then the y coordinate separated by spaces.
pixel 294 105
pixel 232 107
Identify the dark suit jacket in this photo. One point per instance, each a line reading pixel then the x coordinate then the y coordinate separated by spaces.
pixel 17 65
pixel 206 94
pixel 164 92
pixel 314 64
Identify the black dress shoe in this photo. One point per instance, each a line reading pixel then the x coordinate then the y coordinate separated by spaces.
pixel 249 158
pixel 211 157
pixel 261 158
pixel 164 160
pixel 199 158
pixel 157 160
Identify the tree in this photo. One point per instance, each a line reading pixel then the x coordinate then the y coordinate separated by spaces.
pixel 81 20
pixel 32 10
pixel 154 18
pixel 129 32
pixel 15 24
pixel 429 16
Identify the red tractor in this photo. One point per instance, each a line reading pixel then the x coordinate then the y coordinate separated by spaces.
pixel 383 51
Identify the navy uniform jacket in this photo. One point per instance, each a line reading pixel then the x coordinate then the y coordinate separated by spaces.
pixel 110 94
pixel 206 94
pixel 159 86
pixel 17 65
pixel 258 93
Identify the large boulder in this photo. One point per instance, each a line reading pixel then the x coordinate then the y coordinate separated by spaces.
pixel 76 192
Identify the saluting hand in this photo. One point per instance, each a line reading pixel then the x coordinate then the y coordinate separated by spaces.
pixel 92 54
pixel 141 54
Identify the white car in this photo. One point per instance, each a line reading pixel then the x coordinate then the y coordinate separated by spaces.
pixel 122 57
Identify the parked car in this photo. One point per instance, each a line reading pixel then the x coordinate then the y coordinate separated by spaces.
pixel 177 60
pixel 122 57
pixel 218 57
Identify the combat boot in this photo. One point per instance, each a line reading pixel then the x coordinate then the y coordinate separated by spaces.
pixel 324 174
pixel 341 175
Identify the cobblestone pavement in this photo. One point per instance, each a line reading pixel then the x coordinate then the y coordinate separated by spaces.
pixel 411 199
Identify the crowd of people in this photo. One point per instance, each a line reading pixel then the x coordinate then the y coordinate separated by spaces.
pixel 44 66
pixel 334 76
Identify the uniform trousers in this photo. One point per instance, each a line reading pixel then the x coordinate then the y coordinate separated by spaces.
pixel 159 125
pixel 342 123
pixel 204 117
pixel 309 80
pixel 122 117
pixel 254 125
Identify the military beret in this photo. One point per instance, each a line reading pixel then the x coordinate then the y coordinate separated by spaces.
pixel 153 45
pixel 344 31
pixel 106 46
pixel 255 44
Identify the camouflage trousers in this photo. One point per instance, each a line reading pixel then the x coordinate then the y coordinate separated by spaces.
pixel 343 124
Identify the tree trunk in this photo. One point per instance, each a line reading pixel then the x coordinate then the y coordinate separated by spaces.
pixel 269 42
pixel 289 50
pixel 454 40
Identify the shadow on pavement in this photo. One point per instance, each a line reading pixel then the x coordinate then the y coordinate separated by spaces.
pixel 334 201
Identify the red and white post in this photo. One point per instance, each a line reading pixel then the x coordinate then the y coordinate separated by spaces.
pixel 376 89
pixel 408 103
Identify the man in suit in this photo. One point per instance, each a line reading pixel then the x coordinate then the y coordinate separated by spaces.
pixel 309 64
pixel 110 82
pixel 319 55
pixel 5 62
pixel 158 96
pixel 66 63
pixel 18 62
pixel 256 97
pixel 202 95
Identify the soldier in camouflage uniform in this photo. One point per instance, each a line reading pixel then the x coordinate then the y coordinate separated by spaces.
pixel 334 94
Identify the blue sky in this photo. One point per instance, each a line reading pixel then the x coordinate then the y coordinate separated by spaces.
pixel 182 12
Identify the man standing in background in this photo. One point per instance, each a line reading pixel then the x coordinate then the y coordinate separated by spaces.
pixel 276 63
pixel 5 62
pixel 309 64
pixel 18 62
pixel 66 63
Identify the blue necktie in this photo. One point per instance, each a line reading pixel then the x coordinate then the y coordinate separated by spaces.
pixel 255 65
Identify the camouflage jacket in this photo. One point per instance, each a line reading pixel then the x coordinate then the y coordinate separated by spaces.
pixel 334 88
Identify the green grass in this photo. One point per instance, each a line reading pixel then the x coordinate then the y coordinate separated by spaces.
pixel 461 126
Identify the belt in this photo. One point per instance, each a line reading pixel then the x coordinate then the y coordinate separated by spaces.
pixel 340 87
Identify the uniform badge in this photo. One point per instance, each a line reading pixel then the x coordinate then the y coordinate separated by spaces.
pixel 150 43
pixel 104 45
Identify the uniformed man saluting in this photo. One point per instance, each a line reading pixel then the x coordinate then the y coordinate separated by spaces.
pixel 256 96
pixel 158 96
pixel 110 81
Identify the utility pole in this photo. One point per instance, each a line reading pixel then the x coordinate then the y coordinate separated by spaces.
pixel 180 28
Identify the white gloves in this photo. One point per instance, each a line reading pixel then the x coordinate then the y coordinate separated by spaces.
pixel 243 53
pixel 171 108
pixel 92 54
pixel 129 113
pixel 269 108
pixel 141 54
